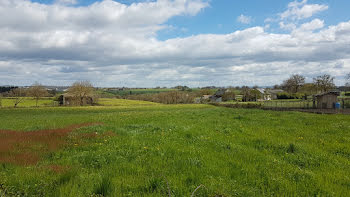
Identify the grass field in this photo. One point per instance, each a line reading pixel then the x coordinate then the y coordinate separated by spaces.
pixel 27 102
pixel 134 148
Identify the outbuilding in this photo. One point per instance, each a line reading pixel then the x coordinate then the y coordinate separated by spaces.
pixel 72 100
pixel 327 100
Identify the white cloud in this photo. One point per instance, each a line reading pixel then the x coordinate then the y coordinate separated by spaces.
pixel 113 44
pixel 288 26
pixel 301 10
pixel 244 19
pixel 66 2
pixel 313 25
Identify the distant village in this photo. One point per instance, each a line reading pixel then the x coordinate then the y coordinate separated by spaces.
pixel 322 92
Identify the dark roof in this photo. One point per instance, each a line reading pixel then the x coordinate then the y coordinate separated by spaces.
pixel 220 92
pixel 336 93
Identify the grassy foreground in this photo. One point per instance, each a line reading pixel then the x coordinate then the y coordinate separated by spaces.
pixel 156 148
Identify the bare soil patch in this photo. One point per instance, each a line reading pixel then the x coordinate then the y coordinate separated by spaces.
pixel 26 148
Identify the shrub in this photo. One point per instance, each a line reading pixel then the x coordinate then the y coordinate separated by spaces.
pixel 239 105
pixel 285 95
pixel 174 97
pixel 228 96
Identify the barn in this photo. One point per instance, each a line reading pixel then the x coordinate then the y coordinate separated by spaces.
pixel 327 100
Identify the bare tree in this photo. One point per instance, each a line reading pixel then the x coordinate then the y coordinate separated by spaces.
pixel 294 83
pixel 37 91
pixel 324 82
pixel 0 100
pixel 18 95
pixel 347 78
pixel 81 90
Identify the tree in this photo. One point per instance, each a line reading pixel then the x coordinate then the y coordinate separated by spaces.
pixel 294 83
pixel 81 90
pixel 0 100
pixel 347 78
pixel 202 92
pixel 229 95
pixel 37 91
pixel 18 95
pixel 275 87
pixel 324 82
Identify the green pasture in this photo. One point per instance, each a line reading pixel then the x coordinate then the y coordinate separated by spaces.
pixel 160 148
pixel 27 102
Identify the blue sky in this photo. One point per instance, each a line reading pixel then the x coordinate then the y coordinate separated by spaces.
pixel 147 43
pixel 221 16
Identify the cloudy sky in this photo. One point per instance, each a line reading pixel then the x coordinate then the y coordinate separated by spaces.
pixel 147 43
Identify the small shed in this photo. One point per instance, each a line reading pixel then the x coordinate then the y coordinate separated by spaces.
pixel 327 100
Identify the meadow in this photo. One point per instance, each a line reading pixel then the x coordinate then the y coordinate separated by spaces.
pixel 27 102
pixel 136 148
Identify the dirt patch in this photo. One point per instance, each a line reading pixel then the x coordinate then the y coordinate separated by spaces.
pixel 26 148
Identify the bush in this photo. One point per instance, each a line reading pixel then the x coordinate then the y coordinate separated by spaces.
pixel 285 95
pixel 239 105
pixel 347 93
pixel 174 97
pixel 228 96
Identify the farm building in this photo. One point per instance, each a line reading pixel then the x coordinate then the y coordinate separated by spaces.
pixel 274 93
pixel 69 99
pixel 327 100
pixel 267 95
pixel 264 95
pixel 216 98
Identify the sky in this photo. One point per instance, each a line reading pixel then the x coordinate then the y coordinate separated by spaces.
pixel 149 43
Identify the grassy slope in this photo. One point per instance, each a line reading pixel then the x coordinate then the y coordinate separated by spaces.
pixel 230 151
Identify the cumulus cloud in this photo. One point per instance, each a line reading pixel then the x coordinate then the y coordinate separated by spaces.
pixel 313 25
pixel 114 44
pixel 301 10
pixel 244 19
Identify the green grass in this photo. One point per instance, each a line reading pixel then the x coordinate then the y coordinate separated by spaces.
pixel 27 102
pixel 123 102
pixel 232 152
pixel 288 103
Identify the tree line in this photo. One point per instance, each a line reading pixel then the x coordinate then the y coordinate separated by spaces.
pixel 78 91
pixel 296 83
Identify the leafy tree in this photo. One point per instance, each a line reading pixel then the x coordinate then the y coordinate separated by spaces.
pixel 230 95
pixel 202 92
pixel 309 89
pixel 294 83
pixel 37 91
pixel 324 82
pixel 81 90
pixel 250 94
